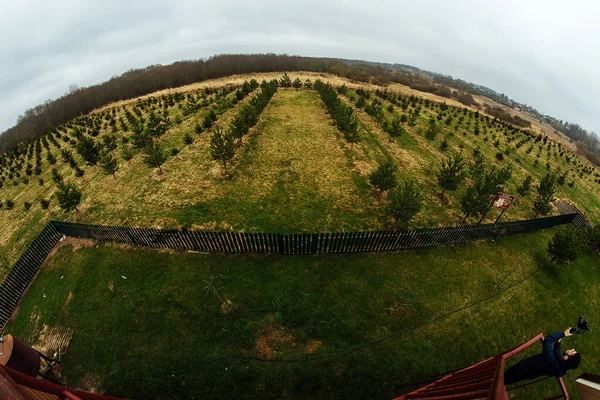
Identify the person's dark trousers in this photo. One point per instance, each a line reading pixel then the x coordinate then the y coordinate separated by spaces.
pixel 524 369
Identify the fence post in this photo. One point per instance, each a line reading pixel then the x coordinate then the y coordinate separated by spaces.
pixel 314 244
pixel 280 245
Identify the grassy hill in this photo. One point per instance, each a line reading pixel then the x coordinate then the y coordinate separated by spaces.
pixel 294 171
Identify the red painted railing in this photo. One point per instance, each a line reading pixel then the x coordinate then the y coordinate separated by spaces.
pixel 13 381
pixel 482 380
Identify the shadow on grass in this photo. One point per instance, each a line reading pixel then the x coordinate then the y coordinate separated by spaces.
pixel 544 264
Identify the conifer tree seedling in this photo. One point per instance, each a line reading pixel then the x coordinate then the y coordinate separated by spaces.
pixel 451 173
pixel 109 164
pixel 155 156
pixel 405 202
pixel 222 146
pixel 384 177
pixel 69 196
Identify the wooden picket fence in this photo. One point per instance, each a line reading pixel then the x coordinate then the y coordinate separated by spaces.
pixel 24 270
pixel 305 243
pixel 30 262
pixel 580 222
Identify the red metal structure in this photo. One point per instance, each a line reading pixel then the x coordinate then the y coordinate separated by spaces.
pixel 484 380
pixel 15 385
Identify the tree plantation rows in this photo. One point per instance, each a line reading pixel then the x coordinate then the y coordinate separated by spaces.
pixel 92 140
pixel 223 143
pixel 466 157
pixel 395 115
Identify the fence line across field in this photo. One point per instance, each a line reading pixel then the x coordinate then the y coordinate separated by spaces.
pixel 22 273
pixel 307 243
pixel 25 269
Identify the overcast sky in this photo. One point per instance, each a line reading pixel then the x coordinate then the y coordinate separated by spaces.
pixel 543 53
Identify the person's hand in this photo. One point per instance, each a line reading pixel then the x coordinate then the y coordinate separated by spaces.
pixel 568 332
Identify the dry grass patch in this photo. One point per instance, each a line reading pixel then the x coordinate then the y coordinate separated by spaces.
pixel 297 156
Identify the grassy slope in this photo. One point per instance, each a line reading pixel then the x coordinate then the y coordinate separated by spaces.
pixel 137 196
pixel 133 333
pixel 193 193
pixel 293 176
pixel 419 159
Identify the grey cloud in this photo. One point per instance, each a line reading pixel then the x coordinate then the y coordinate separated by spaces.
pixel 540 53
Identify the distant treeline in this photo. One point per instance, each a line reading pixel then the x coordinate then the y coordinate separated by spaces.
pixel 506 116
pixel 52 113
pixel 587 142
pixel 385 73
pixel 45 117
pixel 442 85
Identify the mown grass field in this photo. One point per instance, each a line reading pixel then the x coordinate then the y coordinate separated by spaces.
pixel 294 172
pixel 153 323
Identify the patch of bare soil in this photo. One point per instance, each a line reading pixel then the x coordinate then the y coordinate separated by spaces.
pixel 275 339
pixel 442 198
pixel 90 383
pixel 69 298
pixel 207 226
pixel 363 168
pixel 53 339
pixel 69 241
pixel 566 206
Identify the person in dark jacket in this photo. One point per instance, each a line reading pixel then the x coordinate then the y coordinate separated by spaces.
pixel 550 363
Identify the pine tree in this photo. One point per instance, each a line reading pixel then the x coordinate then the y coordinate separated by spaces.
pixel 351 134
pixel 109 164
pixel 285 81
pixel 567 245
pixel 155 156
pixel 405 202
pixel 188 139
pixel 525 187
pixel 69 196
pixel 546 190
pixel 209 119
pixel 451 174
pixel 472 203
pixel 109 142
pixel 222 146
pixel 50 158
pixel 384 177
pixel 127 153
pixel 89 150
pixel 395 128
pixel 477 166
pixel 444 145
pixel 476 199
pixel 156 125
pixel 432 130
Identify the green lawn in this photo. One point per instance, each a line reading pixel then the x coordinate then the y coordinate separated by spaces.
pixel 139 335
